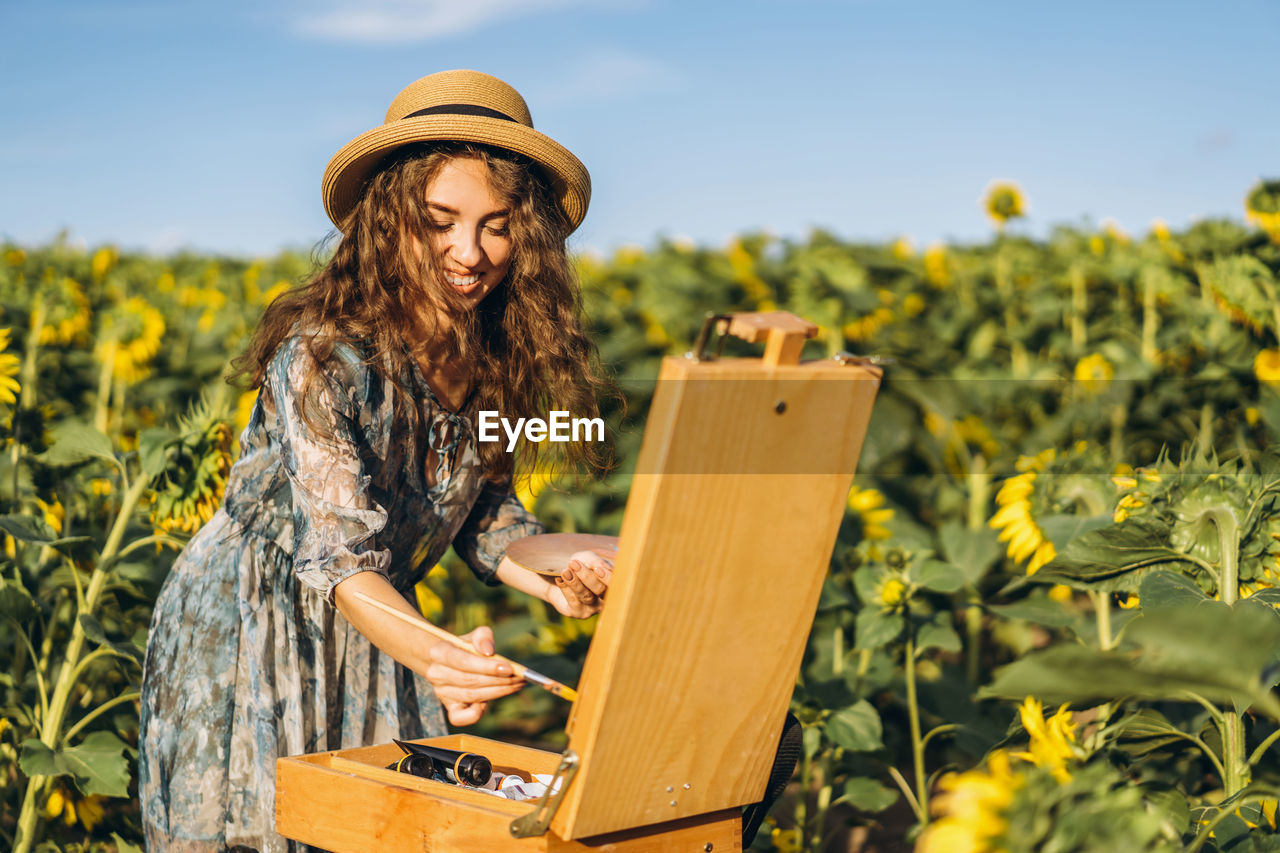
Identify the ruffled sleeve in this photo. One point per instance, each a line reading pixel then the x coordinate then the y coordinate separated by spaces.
pixel 497 519
pixel 335 517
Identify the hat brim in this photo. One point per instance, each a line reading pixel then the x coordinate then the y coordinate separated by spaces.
pixel 349 170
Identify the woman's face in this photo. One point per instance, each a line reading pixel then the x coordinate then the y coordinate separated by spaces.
pixel 468 229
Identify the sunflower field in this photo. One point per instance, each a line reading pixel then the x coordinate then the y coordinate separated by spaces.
pixel 1052 619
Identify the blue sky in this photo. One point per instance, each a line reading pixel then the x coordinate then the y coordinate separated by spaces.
pixel 162 124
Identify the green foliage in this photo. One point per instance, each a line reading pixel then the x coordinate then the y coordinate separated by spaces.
pixel 1120 354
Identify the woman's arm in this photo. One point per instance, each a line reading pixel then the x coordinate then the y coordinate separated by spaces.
pixel 464 683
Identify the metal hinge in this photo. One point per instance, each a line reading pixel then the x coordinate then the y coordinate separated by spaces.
pixel 537 821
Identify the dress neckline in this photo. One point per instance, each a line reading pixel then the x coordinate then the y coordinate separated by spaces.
pixel 435 398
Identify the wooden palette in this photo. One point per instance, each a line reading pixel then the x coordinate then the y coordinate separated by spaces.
pixel 549 553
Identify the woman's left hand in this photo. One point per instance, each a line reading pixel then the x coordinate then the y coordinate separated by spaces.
pixel 580 589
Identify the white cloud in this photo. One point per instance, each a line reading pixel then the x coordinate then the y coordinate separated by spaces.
pixel 388 21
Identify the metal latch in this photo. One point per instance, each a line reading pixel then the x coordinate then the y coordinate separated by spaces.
pixel 709 325
pixel 863 360
pixel 537 821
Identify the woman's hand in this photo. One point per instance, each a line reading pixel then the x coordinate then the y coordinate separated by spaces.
pixel 580 589
pixel 466 683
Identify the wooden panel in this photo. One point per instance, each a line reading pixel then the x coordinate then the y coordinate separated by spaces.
pixel 718 574
pixel 347 802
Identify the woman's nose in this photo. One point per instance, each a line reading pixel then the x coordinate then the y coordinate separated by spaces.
pixel 466 248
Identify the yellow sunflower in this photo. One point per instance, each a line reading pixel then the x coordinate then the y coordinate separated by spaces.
pixel 937 268
pixel 131 339
pixel 971 808
pixel 10 366
pixel 1262 207
pixel 190 502
pixel 1266 366
pixel 529 488
pixel 430 604
pixel 1015 521
pixel 1093 372
pixel 67 318
pixel 1004 201
pixel 63 803
pixel 103 260
pixel 869 505
pixel 1052 740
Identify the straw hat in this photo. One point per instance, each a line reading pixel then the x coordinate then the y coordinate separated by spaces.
pixel 465 106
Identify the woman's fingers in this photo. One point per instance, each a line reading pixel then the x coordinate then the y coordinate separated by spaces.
pixel 583 590
pixel 455 693
pixel 594 559
pixel 455 658
pixel 481 639
pixel 585 582
pixel 440 674
pixel 464 682
pixel 464 713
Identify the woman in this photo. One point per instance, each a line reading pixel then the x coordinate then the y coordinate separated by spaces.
pixel 449 293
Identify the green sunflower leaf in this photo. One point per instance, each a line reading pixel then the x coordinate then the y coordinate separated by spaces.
pixel 26 528
pixel 98 764
pixel 16 602
pixel 973 551
pixel 1101 558
pixel 876 627
pixel 1217 651
pixel 1162 588
pixel 938 576
pixel 938 633
pixel 73 443
pixel 153 443
pixel 857 727
pixel 94 631
pixel 868 794
pixel 1039 609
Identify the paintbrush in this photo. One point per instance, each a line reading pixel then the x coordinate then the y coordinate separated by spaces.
pixel 549 684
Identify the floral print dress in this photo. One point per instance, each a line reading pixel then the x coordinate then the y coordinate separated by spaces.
pixel 248 659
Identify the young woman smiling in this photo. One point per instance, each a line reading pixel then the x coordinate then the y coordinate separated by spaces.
pixel 449 291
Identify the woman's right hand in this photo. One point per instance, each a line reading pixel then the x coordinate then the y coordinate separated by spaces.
pixel 466 683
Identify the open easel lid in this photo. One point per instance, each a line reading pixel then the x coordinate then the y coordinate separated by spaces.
pixel 739 491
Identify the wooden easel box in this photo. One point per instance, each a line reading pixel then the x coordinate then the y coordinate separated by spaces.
pixel 727 536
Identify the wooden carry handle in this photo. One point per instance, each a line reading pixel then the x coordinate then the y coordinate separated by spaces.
pixel 784 334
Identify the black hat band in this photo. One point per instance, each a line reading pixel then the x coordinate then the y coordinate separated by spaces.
pixel 461 110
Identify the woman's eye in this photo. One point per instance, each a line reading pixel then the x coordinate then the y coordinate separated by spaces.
pixel 438 226
pixel 497 230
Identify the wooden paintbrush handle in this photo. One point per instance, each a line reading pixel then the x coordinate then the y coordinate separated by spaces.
pixel 438 633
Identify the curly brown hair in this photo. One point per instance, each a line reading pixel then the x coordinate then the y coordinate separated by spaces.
pixel 524 342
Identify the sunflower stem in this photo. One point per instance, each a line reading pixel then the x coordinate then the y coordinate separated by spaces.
pixel 837 650
pixel 1205 436
pixel 1102 610
pixel 917 742
pixel 1150 320
pixel 102 403
pixel 72 665
pixel 1079 307
pixel 979 489
pixel 1119 417
pixel 98 711
pixel 1233 745
pixel 27 393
